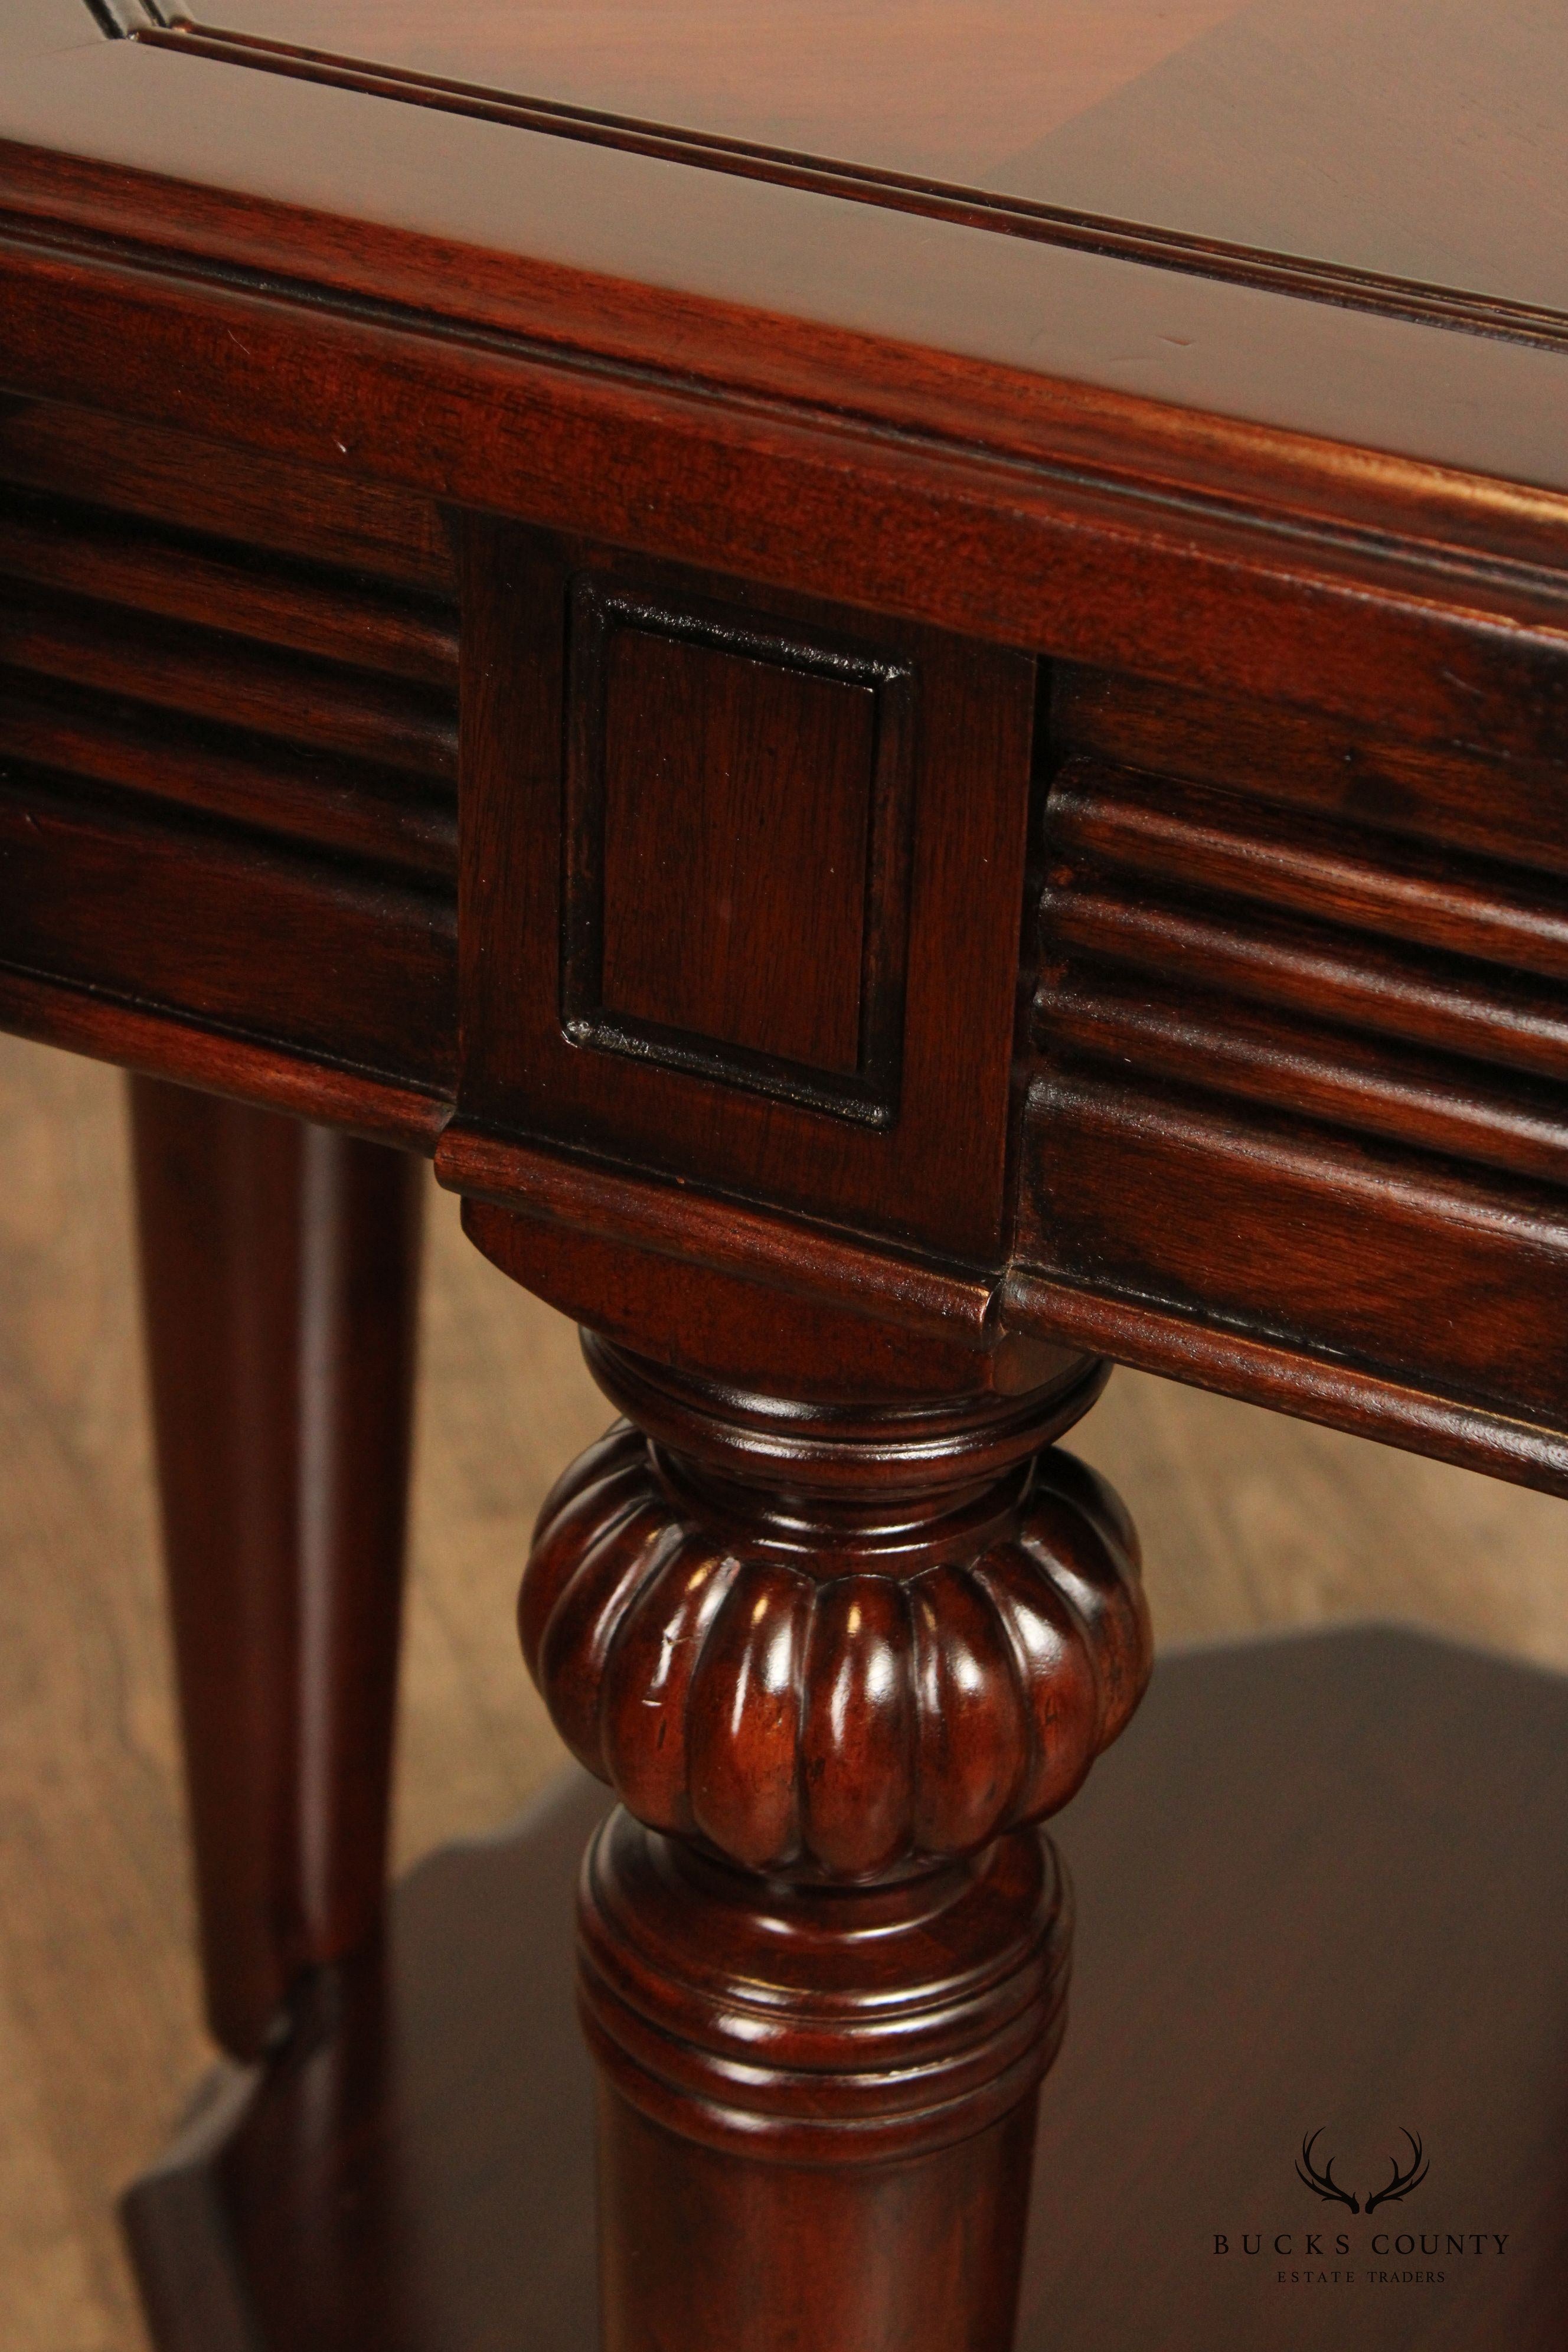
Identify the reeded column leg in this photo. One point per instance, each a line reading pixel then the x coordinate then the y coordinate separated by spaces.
pixel 279 1266
pixel 836 1663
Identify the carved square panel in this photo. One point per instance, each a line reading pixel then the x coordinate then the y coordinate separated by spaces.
pixel 742 887
pixel 738 802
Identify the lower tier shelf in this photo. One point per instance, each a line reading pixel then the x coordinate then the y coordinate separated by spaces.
pixel 1322 1895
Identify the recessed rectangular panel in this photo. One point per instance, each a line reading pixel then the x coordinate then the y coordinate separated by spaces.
pixel 739 808
pixel 742 887
pixel 737 803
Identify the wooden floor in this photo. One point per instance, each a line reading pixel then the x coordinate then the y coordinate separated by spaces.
pixel 1249 1522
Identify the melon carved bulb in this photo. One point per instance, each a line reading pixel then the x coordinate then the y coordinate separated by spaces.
pixel 827 1656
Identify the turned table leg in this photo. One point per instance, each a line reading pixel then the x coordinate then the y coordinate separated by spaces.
pixel 834 1661
pixel 280 1269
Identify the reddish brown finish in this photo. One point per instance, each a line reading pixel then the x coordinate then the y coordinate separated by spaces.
pixel 916 1145
pixel 836 1644
pixel 1275 1058
pixel 1318 868
pixel 133 466
pixel 208 677
pixel 301 608
pixel 698 1287
pixel 834 81
pixel 1360 1833
pixel 201 811
pixel 359 810
pixel 1005 505
pixel 1222 348
pixel 1318 984
pixel 834 1660
pixel 1466 791
pixel 1174 131
pixel 394 947
pixel 1390 1258
pixel 777 1320
pixel 226 934
pixel 164 1046
pixel 1012 801
pixel 755 803
pixel 279 1269
pixel 782 2161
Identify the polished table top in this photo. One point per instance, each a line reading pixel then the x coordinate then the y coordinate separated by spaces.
pixel 1401 140
pixel 1398 164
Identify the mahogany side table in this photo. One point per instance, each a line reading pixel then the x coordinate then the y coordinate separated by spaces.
pixel 899 676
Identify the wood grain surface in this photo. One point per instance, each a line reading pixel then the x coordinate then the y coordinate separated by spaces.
pixel 949 92
pixel 964 435
pixel 1394 143
pixel 609 245
pixel 1249 1521
pixel 253 827
pixel 1291 1876
pixel 281 1288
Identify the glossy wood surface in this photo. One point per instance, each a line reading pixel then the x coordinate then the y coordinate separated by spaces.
pixel 1293 968
pixel 786 2187
pixel 1411 142
pixel 609 245
pixel 563 815
pixel 227 773
pixel 1293 915
pixel 279 1268
pixel 1353 1833
pixel 1248 1518
pixel 835 1661
pixel 744 737
pixel 867 1640
pixel 949 94
pixel 962 855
